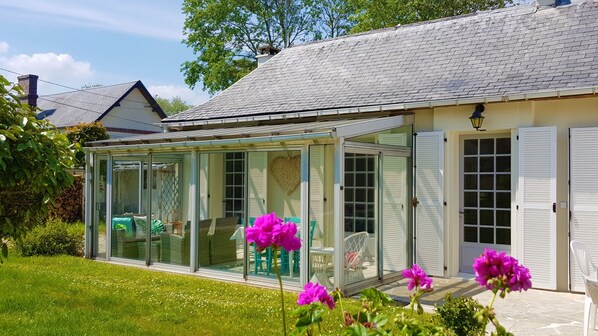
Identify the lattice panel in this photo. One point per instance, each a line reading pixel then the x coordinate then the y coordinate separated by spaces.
pixel 169 194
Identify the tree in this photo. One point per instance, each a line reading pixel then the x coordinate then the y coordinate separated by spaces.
pixel 84 133
pixel 375 14
pixel 34 158
pixel 333 18
pixel 226 34
pixel 173 105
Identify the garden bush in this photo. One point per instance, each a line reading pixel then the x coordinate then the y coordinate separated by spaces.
pixel 53 238
pixel 458 315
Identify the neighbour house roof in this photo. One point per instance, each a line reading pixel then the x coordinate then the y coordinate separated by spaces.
pixel 518 50
pixel 89 105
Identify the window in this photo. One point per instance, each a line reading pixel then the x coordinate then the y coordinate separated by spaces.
pixel 360 193
pixel 487 191
pixel 234 184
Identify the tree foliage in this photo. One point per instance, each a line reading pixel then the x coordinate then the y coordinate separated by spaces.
pixel 83 133
pixel 226 34
pixel 34 158
pixel 375 14
pixel 173 105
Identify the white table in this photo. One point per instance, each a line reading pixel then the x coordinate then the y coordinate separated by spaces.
pixel 321 261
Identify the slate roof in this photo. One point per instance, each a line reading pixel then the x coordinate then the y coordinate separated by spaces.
pixel 87 105
pixel 520 49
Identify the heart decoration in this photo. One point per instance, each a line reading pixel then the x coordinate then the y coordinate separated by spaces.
pixel 287 172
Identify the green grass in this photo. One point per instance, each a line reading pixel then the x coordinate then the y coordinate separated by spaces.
pixel 73 296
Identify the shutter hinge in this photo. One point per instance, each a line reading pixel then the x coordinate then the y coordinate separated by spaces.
pixel 518 137
pixel 445 140
pixel 415 202
pixel 517 207
pixel 554 207
pixel 445 268
pixel 414 134
pixel 444 203
pixel 570 215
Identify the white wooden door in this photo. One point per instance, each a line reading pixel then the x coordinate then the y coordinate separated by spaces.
pixel 393 183
pixel 583 196
pixel 537 204
pixel 257 183
pixel 429 191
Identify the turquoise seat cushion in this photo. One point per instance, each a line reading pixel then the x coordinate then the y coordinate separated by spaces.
pixel 125 223
pixel 141 223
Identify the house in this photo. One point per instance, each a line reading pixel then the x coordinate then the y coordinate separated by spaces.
pixel 124 109
pixel 366 141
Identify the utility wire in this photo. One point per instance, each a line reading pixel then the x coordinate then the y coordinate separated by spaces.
pixel 82 108
pixel 74 89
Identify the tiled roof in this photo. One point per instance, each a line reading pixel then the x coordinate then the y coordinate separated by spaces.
pixel 88 105
pixel 521 49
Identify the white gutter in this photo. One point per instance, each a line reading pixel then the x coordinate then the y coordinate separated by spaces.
pixel 221 142
pixel 393 107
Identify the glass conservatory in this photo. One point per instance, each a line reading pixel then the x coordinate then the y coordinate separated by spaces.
pixel 182 200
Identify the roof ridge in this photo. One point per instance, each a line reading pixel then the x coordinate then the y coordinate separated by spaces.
pixel 90 89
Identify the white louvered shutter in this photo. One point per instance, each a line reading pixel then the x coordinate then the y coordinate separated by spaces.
pixel 203 186
pixel 316 188
pixel 583 196
pixel 429 190
pixel 257 183
pixel 537 196
pixel 394 205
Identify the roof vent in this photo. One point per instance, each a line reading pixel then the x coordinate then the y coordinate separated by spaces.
pixel 266 53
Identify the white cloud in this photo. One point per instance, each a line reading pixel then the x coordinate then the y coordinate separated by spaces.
pixel 4 47
pixel 147 18
pixel 57 68
pixel 171 91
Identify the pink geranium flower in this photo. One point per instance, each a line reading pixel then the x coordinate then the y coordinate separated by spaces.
pixel 269 231
pixel 314 292
pixel 494 269
pixel 417 278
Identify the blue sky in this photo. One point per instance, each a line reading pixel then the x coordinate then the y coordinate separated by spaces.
pixel 97 42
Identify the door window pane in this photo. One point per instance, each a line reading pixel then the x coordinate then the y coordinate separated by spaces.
pixel 486 190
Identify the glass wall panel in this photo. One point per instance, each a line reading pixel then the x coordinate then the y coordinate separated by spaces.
pixel 361 217
pixel 129 221
pixel 404 133
pixel 171 212
pixel 99 209
pixel 321 214
pixel 221 210
pixel 274 179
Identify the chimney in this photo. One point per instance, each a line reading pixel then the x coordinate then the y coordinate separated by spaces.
pixel 29 84
pixel 266 53
pixel 554 3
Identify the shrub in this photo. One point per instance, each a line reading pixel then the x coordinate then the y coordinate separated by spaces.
pixel 56 237
pixel 458 315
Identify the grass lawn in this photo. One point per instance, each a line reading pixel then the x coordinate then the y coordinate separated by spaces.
pixel 74 296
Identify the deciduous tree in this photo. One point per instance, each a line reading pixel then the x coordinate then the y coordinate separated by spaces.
pixel 34 158
pixel 173 105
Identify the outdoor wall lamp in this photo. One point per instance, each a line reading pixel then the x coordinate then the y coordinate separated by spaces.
pixel 476 118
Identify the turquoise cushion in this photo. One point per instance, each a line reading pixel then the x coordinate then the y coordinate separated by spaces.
pixel 125 223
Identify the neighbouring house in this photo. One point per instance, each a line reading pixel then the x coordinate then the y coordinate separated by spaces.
pixel 367 142
pixel 124 109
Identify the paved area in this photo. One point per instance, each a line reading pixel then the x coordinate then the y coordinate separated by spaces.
pixel 535 312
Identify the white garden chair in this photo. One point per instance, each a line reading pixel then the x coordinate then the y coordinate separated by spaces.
pixel 355 245
pixel 588 272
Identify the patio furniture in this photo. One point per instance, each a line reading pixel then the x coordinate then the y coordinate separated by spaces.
pixel 588 272
pixel 204 242
pixel 222 248
pixel 589 315
pixel 355 245
pixel 176 248
pixel 321 265
pixel 286 257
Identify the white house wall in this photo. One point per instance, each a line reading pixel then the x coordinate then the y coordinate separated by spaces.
pixel 133 113
pixel 501 118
